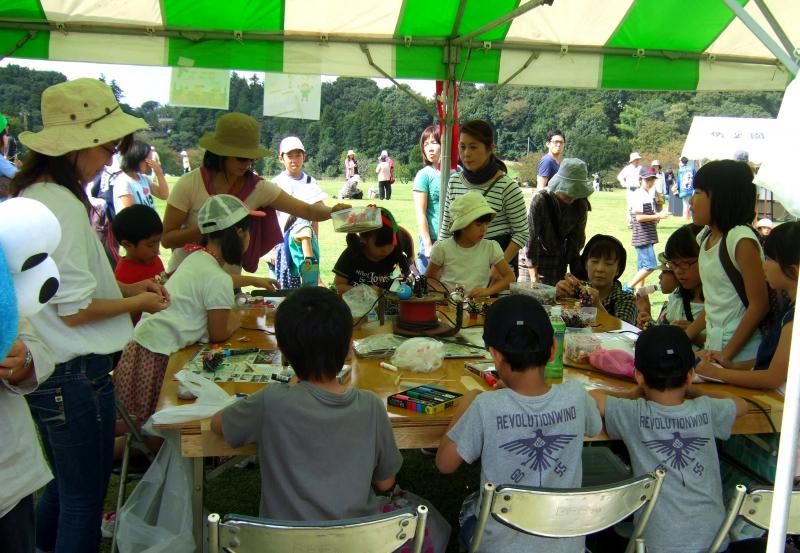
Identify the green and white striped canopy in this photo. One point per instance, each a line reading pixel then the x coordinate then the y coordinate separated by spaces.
pixel 636 44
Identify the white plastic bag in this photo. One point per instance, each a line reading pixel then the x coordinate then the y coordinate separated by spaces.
pixel 360 299
pixel 157 517
pixel 419 355
pixel 210 399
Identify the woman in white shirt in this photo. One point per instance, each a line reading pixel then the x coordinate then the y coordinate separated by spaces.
pixel 87 322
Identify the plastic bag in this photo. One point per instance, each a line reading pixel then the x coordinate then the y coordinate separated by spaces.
pixel 360 299
pixel 210 399
pixel 157 517
pixel 419 355
pixel 437 529
pixel 615 362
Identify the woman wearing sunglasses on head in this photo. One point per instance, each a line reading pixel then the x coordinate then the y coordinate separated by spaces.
pixel 227 169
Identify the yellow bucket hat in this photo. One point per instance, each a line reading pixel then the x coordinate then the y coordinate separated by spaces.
pixel 236 135
pixel 467 208
pixel 79 114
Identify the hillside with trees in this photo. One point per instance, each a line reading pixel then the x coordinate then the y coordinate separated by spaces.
pixel 601 126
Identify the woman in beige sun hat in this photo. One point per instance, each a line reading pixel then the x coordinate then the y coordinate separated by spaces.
pixel 227 169
pixel 87 322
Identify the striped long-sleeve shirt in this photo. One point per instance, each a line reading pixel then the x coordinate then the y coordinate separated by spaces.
pixel 505 198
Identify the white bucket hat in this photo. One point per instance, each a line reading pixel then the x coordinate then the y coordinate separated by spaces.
pixel 236 135
pixel 467 208
pixel 223 211
pixel 77 115
pixel 634 156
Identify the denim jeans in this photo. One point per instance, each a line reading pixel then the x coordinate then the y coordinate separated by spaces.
pixel 74 411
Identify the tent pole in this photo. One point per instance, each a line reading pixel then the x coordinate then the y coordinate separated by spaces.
pixel 528 6
pixel 784 474
pixel 787 44
pixel 766 40
pixel 448 111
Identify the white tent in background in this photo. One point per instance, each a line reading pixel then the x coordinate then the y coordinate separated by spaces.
pixel 721 137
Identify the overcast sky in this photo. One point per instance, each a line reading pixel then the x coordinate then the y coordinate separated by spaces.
pixel 142 83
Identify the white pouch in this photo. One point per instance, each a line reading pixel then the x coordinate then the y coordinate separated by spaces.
pixel 419 355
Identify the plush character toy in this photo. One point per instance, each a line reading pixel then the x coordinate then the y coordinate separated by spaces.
pixel 29 232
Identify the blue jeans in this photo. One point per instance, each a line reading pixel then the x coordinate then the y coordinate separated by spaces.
pixel 422 259
pixel 74 411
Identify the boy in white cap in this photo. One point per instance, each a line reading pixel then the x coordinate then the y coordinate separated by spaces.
pixel 466 259
pixel 764 226
pixel 295 182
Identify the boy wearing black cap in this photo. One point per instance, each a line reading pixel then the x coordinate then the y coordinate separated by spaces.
pixel 529 433
pixel 666 424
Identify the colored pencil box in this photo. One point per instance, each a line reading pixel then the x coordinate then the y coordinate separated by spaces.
pixel 424 399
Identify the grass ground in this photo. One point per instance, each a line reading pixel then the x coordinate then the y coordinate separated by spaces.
pixel 237 489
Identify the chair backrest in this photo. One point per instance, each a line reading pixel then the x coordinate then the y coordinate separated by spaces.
pixel 373 534
pixel 755 506
pixel 563 512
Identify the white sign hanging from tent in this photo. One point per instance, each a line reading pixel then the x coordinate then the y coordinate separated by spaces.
pixel 722 137
pixel 294 96
pixel 200 88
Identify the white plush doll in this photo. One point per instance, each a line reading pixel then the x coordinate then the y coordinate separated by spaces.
pixel 29 233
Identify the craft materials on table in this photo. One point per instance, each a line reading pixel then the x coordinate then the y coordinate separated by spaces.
pixel 236 364
pixel 424 399
pixel 383 346
pixel 484 370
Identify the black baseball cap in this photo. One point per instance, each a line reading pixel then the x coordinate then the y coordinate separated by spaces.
pixel 513 311
pixel 665 351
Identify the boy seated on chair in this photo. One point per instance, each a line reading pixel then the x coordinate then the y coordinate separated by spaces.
pixel 666 424
pixel 529 433
pixel 323 446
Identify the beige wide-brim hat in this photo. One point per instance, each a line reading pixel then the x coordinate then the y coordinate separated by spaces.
pixel 77 115
pixel 236 135
pixel 467 208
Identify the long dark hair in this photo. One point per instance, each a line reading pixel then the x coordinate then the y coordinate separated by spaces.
pixel 135 155
pixel 60 169
pixel 731 192
pixel 229 241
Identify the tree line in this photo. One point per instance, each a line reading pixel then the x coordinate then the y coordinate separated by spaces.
pixel 601 126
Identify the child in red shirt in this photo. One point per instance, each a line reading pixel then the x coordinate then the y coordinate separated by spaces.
pixel 138 229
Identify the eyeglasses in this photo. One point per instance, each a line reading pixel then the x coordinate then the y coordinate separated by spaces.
pixel 113 149
pixel 557 142
pixel 682 265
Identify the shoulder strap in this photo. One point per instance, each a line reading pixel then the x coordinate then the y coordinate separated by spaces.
pixel 687 307
pixel 733 274
pixel 497 178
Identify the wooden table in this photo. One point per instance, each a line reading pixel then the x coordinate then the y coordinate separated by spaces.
pixel 412 430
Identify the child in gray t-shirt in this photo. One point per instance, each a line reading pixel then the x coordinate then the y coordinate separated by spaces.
pixel 529 433
pixel 673 428
pixel 323 447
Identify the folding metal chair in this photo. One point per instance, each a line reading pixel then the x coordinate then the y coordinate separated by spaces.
pixel 133 439
pixel 374 534
pixel 568 513
pixel 755 507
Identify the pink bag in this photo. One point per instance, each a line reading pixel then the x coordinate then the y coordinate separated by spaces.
pixel 614 361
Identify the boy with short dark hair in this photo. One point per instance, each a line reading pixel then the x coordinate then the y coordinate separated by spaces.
pixel 673 427
pixel 138 229
pixel 644 218
pixel 322 446
pixel 529 433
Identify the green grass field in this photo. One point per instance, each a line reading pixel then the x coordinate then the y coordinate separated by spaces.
pixel 237 490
